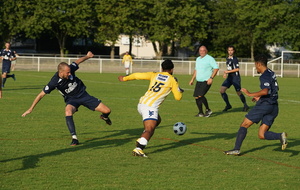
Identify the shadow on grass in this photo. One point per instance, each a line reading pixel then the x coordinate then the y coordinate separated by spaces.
pixel 291 143
pixel 238 109
pixel 226 136
pixel 108 141
pixel 194 141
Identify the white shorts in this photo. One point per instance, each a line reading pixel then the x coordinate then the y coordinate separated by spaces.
pixel 148 113
pixel 127 64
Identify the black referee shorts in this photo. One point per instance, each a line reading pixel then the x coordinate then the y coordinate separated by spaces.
pixel 201 89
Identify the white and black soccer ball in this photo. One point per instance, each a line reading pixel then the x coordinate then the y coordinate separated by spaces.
pixel 179 128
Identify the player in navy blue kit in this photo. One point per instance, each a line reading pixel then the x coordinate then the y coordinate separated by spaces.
pixel 233 77
pixel 265 110
pixel 74 92
pixel 7 56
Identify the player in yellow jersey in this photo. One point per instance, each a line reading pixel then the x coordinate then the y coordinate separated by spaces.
pixel 161 84
pixel 127 61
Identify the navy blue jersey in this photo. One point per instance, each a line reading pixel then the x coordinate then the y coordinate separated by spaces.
pixel 232 63
pixel 72 87
pixel 7 54
pixel 268 80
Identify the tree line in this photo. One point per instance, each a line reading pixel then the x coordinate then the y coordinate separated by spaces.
pixel 249 25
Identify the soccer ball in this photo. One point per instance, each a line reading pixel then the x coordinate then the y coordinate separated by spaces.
pixel 179 128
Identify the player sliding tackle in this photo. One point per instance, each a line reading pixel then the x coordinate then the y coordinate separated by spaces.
pixel 161 84
pixel 74 92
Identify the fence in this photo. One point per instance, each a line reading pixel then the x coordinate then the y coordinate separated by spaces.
pixel 27 63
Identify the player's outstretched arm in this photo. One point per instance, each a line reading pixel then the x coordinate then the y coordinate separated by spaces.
pixel 34 103
pixel 82 59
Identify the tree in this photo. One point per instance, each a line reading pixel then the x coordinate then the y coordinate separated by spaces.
pixel 60 18
pixel 116 17
pixel 175 21
pixel 10 23
pixel 289 28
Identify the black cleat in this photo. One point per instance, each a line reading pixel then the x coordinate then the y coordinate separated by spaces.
pixel 200 115
pixel 246 108
pixel 227 108
pixel 74 142
pixel 106 119
pixel 13 76
pixel 208 113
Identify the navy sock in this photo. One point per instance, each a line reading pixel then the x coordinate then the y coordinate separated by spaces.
pixel 199 105
pixel 105 114
pixel 243 99
pixel 71 125
pixel 241 135
pixel 225 98
pixel 3 81
pixel 269 135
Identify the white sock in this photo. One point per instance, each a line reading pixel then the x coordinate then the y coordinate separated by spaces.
pixel 74 137
pixel 143 141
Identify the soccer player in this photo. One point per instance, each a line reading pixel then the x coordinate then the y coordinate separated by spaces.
pixel 7 56
pixel 265 110
pixel 74 92
pixel 206 69
pixel 233 77
pixel 161 84
pixel 0 86
pixel 127 61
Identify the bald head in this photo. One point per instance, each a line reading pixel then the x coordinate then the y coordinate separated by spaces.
pixel 63 70
pixel 202 51
pixel 62 66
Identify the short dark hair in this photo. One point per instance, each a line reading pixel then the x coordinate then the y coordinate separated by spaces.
pixel 231 46
pixel 261 59
pixel 167 65
pixel 61 66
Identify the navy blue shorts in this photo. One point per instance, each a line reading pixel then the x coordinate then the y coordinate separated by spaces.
pixel 235 81
pixel 265 113
pixel 201 89
pixel 6 66
pixel 86 100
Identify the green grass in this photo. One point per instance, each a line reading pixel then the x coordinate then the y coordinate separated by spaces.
pixel 35 151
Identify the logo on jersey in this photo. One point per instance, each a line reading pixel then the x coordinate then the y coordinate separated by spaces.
pixel 161 77
pixel 151 113
pixel 71 86
pixel 266 84
pixel 47 87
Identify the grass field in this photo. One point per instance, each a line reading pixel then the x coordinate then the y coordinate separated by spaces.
pixel 35 151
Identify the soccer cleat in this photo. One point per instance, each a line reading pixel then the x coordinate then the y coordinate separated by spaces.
pixel 13 76
pixel 200 115
pixel 106 119
pixel 138 152
pixel 283 140
pixel 232 152
pixel 246 108
pixel 208 113
pixel 227 108
pixel 74 142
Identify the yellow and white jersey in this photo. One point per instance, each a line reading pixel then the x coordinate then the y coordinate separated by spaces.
pixel 127 58
pixel 161 84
